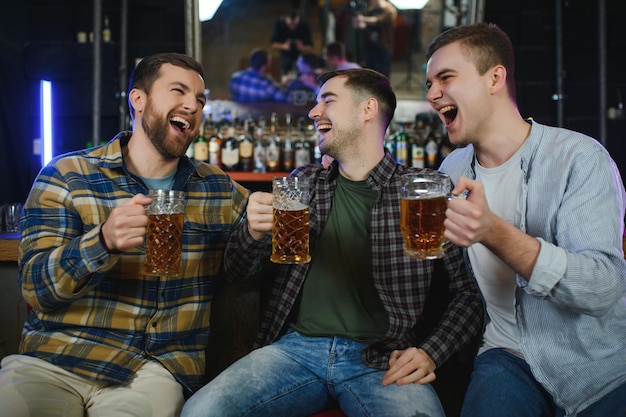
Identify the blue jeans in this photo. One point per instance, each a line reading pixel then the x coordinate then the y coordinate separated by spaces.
pixel 300 376
pixel 503 386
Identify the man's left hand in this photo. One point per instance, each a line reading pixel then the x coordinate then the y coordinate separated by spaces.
pixel 412 365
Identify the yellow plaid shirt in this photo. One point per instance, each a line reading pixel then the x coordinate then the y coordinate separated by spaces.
pixel 94 313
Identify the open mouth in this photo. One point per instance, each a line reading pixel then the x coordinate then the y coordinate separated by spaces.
pixel 449 113
pixel 179 123
pixel 324 128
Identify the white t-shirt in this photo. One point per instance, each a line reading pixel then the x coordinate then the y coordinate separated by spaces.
pixel 496 279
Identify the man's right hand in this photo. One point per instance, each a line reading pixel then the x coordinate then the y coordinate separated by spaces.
pixel 260 214
pixel 126 226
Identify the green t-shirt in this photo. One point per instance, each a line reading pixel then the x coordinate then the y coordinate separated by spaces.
pixel 338 297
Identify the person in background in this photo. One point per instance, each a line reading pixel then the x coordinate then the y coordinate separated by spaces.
pixel 379 23
pixel 542 224
pixel 101 338
pixel 304 88
pixel 291 37
pixel 253 84
pixel 335 56
pixel 348 327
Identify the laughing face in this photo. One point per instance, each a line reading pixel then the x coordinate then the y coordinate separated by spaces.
pixel 336 118
pixel 173 110
pixel 458 93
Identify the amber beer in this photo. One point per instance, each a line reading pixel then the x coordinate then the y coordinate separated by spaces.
pixel 290 236
pixel 423 203
pixel 164 244
pixel 422 228
pixel 290 224
pixel 164 234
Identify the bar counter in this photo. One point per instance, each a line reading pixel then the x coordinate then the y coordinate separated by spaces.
pixel 8 246
pixel 12 305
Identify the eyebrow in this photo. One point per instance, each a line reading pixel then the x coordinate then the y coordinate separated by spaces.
pixel 444 70
pixel 185 87
pixel 328 94
pixel 428 80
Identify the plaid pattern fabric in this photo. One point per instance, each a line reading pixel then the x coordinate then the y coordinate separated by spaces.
pixel 94 314
pixel 403 283
pixel 250 86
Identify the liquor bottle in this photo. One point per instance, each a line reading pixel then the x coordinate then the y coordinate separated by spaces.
pixel 201 146
pixel 106 30
pixel 272 154
pixel 259 152
pixel 402 146
pixel 302 153
pixel 246 145
pixel 215 145
pixel 432 149
pixel 286 154
pixel 230 150
pixel 446 147
pixel 418 153
pixel 317 152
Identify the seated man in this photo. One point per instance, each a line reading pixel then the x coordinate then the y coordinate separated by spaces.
pixel 253 84
pixel 349 326
pixel 543 224
pixel 102 338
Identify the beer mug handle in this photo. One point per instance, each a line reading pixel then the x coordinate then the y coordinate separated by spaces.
pixel 447 244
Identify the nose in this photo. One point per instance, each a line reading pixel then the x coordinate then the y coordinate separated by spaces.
pixel 190 103
pixel 433 93
pixel 314 113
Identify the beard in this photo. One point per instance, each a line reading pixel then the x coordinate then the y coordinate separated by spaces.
pixel 345 141
pixel 157 127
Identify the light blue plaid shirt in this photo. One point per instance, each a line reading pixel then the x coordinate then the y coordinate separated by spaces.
pixel 571 314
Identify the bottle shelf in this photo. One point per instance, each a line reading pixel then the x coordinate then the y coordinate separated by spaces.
pixel 240 176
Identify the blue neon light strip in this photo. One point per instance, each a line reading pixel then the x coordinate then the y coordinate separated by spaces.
pixel 46 121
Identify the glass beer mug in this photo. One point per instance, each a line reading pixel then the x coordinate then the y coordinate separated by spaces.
pixel 164 233
pixel 423 205
pixel 290 224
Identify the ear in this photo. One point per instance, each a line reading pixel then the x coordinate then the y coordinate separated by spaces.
pixel 498 78
pixel 137 99
pixel 370 108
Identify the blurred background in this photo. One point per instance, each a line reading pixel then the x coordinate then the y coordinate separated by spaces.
pixel 570 57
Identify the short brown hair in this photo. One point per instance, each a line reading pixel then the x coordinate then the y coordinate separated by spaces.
pixel 487 46
pixel 367 81
pixel 149 69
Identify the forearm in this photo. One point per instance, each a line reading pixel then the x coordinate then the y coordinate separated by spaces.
pixel 461 323
pixel 54 271
pixel 281 46
pixel 514 247
pixel 462 320
pixel 244 256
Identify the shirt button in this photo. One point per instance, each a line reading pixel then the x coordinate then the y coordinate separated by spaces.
pixel 154 324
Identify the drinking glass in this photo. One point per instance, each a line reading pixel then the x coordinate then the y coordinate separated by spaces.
pixel 290 225
pixel 423 205
pixel 164 233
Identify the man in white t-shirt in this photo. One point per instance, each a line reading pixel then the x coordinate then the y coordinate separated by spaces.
pixel 543 224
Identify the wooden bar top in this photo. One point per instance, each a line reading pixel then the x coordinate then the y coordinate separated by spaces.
pixel 10 241
pixel 255 176
pixel 8 246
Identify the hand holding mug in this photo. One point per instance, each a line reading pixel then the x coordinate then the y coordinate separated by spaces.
pixel 468 221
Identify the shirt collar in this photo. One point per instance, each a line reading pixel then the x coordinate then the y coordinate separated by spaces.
pixel 378 177
pixel 110 156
